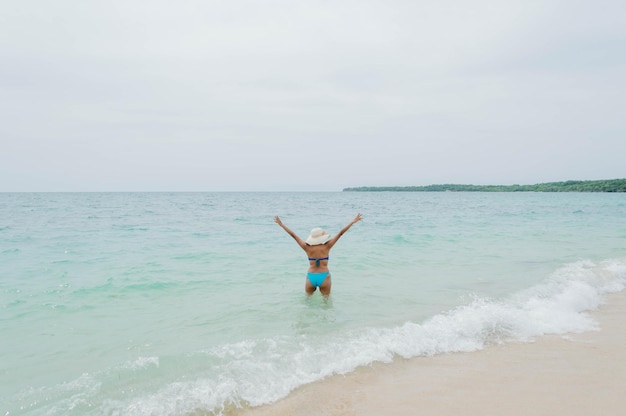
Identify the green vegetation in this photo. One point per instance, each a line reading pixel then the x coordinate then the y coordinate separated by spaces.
pixel 611 185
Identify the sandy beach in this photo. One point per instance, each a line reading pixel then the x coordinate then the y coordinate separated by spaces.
pixel 579 374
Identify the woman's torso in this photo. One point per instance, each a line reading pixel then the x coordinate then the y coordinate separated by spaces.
pixel 318 258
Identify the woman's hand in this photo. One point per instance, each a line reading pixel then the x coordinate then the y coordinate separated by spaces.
pixel 356 219
pixel 278 221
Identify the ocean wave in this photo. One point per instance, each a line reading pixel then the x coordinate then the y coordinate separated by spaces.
pixel 260 371
pixel 122 286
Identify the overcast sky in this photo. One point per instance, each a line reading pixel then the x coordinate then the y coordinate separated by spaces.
pixel 309 95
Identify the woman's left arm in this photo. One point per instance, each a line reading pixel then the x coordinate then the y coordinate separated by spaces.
pixel 333 240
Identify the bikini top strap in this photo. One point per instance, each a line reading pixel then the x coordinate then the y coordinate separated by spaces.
pixel 317 260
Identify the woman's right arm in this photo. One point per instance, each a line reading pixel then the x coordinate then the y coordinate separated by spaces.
pixel 291 233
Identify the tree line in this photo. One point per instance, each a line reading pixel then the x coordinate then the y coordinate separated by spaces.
pixel 611 185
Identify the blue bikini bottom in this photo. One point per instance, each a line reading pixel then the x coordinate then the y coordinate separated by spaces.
pixel 317 279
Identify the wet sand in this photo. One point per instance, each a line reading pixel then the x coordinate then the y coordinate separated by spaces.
pixel 579 374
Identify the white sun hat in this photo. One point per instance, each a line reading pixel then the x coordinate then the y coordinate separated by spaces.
pixel 317 236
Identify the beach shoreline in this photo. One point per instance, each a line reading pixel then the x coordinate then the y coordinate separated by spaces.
pixel 575 374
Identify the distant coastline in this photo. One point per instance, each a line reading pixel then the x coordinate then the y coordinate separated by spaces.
pixel 610 185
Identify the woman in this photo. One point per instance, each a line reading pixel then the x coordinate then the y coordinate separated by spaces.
pixel 317 247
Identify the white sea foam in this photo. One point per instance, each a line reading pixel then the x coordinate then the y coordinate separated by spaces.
pixel 141 362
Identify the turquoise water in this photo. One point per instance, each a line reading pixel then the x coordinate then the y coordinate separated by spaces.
pixel 192 303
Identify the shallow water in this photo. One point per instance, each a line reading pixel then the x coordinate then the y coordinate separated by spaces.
pixel 174 303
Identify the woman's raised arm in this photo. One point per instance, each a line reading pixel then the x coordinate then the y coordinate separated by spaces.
pixel 333 240
pixel 300 242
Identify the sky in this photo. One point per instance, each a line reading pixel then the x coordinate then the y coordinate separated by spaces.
pixel 310 95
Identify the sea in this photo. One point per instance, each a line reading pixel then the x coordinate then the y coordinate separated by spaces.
pixel 194 303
